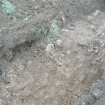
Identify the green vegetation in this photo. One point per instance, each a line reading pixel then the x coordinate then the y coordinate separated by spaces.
pixel 41 30
pixel 49 30
pixel 54 31
pixel 7 7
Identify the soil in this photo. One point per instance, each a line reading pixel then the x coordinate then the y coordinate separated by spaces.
pixel 35 72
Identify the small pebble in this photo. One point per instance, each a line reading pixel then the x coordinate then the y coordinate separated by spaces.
pixel 65 30
pixel 96 13
pixel 59 43
pixel 49 47
pixel 29 62
pixel 92 27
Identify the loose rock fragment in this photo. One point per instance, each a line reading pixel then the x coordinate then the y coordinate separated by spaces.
pixel 96 12
pixel 97 93
pixel 49 47
pixel 59 43
pixel 88 99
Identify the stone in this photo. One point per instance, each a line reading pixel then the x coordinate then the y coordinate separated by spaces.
pixel 97 93
pixel 97 12
pixel 59 43
pixel 49 47
pixel 92 27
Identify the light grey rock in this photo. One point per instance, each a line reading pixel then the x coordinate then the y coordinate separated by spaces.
pixel 85 100
pixel 101 101
pixel 100 84
pixel 49 48
pixel 97 93
pixel 59 43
